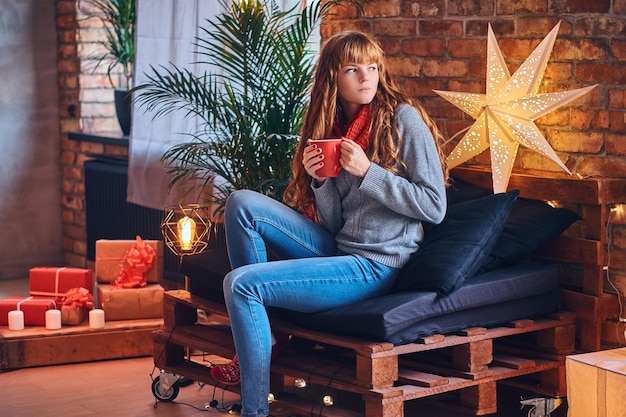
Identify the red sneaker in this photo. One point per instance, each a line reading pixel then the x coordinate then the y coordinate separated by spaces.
pixel 227 374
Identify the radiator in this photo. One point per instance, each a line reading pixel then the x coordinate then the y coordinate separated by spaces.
pixel 110 216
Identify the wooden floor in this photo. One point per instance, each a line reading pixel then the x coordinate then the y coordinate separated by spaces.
pixel 122 388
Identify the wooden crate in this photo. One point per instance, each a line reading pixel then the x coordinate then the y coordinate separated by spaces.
pixel 36 346
pixel 529 354
pixel 595 309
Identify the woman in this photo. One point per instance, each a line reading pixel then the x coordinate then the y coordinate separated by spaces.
pixel 367 220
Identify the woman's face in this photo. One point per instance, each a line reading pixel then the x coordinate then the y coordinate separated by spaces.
pixel 357 85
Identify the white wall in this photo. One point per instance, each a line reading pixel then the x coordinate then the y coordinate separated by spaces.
pixel 30 199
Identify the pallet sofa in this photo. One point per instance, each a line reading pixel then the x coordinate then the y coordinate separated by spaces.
pixel 448 342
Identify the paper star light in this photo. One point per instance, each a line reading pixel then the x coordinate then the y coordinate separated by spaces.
pixel 505 114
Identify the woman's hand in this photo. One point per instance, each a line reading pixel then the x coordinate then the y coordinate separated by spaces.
pixel 312 161
pixel 353 158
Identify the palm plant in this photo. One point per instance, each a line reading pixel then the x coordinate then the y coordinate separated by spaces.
pixel 118 18
pixel 250 111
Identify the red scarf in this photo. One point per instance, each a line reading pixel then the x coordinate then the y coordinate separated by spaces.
pixel 357 129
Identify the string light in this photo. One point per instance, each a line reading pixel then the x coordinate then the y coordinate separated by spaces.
pixel 614 209
pixel 328 400
pixel 300 383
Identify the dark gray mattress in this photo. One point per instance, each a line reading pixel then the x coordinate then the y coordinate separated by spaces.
pixel 516 292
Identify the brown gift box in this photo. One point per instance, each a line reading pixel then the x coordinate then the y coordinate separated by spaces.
pixel 131 303
pixel 596 383
pixel 55 282
pixel 110 256
pixel 72 315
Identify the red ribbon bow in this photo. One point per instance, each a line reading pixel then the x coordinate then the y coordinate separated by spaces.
pixel 138 260
pixel 78 297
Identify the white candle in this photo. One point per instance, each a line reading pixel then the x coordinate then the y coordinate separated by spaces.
pixel 53 319
pixel 16 320
pixel 96 318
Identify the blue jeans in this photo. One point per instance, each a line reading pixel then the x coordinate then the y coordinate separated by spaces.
pixel 309 277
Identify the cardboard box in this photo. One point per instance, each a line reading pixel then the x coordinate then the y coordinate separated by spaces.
pixel 110 255
pixel 596 384
pixel 55 282
pixel 34 309
pixel 131 303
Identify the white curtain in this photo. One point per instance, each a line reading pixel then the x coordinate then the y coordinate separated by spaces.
pixel 166 32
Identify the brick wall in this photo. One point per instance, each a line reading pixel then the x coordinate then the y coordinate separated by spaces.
pixel 431 44
pixel 441 44
pixel 85 105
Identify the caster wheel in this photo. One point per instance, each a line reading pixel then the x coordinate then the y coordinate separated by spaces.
pixel 166 395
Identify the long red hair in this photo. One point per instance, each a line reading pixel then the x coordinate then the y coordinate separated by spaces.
pixel 360 48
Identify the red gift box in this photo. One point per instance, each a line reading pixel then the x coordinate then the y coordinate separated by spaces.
pixel 131 303
pixel 56 282
pixel 34 309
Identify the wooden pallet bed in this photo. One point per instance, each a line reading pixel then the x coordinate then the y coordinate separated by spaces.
pixel 384 376
pixel 379 379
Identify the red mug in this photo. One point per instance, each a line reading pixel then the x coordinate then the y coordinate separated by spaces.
pixel 331 149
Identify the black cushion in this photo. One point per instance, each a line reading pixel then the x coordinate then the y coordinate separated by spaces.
pixel 460 191
pixel 530 226
pixel 495 297
pixel 206 272
pixel 455 249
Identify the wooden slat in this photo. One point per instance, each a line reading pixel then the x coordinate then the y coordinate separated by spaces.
pixel 543 185
pixel 577 250
pixel 421 379
pixel 434 338
pixel 513 362
pixel 473 331
pixel 520 324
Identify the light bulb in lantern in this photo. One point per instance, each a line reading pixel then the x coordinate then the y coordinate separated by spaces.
pixel 186 232
pixel 328 400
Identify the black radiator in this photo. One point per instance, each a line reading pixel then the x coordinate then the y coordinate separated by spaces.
pixel 110 216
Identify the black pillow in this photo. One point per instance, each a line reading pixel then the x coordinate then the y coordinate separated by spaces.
pixel 530 226
pixel 206 271
pixel 460 191
pixel 455 249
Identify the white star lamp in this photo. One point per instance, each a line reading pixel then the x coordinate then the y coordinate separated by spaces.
pixel 505 114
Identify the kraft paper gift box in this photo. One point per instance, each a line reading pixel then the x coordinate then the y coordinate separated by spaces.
pixel 75 305
pixel 72 316
pixel 131 303
pixel 56 281
pixel 34 309
pixel 110 259
pixel 596 384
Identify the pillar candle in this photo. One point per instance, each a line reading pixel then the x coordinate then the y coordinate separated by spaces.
pixel 16 320
pixel 53 319
pixel 96 318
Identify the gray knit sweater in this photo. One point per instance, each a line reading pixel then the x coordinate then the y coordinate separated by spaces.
pixel 379 216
